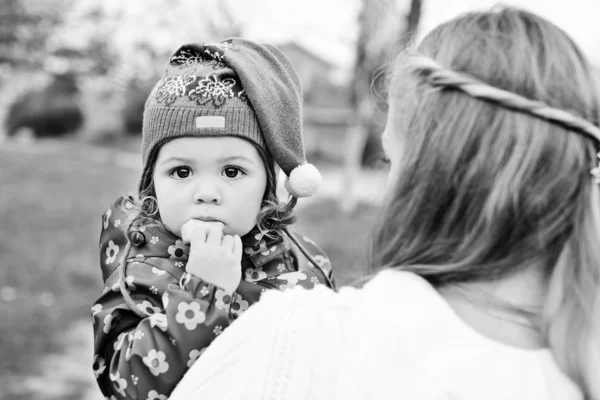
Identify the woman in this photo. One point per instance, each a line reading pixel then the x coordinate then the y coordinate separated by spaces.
pixel 486 259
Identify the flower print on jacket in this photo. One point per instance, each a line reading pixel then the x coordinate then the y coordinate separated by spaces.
pixel 98 366
pixel 239 306
pixel 128 284
pixel 194 354
pixel 259 246
pixel 159 320
pixel 96 309
pixel 120 384
pixel 223 299
pixel 154 395
pixel 292 279
pixel 111 252
pixel 268 251
pixel 155 361
pixel 179 251
pixel 109 323
pixel 190 315
pixel 107 215
pixel 321 261
pixel 255 274
pixel 148 308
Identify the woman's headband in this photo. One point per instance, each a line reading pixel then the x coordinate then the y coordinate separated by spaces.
pixel 437 76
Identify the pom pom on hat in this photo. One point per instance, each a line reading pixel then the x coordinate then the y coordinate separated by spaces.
pixel 304 181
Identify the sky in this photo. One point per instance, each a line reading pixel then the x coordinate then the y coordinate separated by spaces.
pixel 329 26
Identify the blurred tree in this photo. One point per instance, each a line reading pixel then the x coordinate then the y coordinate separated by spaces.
pixel 50 112
pixel 133 39
pixel 383 32
pixel 120 48
pixel 24 28
pixel 113 49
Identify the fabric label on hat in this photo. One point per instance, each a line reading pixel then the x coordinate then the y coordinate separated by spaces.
pixel 212 121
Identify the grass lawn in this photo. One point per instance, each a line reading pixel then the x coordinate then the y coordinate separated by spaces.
pixel 50 208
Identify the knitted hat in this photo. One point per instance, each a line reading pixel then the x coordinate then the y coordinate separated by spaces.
pixel 234 88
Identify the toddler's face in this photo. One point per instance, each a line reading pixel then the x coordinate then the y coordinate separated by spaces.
pixel 210 178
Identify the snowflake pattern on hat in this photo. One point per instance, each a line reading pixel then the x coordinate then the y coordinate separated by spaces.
pixel 212 89
pixel 213 55
pixel 173 87
pixel 185 57
pixel 217 51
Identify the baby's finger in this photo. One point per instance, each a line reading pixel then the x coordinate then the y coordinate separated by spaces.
pixel 228 243
pixel 237 247
pixel 191 228
pixel 214 233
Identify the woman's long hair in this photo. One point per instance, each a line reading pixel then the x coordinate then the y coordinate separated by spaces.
pixel 494 182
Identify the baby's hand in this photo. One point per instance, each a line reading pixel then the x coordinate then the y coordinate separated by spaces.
pixel 214 257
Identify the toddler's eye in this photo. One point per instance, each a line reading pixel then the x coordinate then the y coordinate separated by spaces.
pixel 181 172
pixel 232 172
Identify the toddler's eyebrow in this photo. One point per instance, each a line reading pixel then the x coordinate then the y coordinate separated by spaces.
pixel 185 160
pixel 177 159
pixel 235 158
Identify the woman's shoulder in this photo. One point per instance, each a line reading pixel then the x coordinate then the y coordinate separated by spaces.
pixel 318 299
pixel 358 343
pixel 289 330
pixel 429 336
pixel 348 299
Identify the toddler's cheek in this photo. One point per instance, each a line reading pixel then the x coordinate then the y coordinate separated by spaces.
pixel 239 230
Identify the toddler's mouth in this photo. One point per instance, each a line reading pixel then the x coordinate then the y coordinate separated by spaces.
pixel 208 219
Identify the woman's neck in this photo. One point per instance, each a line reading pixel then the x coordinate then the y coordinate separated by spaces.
pixel 506 310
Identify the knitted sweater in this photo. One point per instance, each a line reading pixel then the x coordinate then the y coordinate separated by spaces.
pixel 395 338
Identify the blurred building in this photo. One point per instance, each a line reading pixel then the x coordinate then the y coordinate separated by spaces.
pixel 313 69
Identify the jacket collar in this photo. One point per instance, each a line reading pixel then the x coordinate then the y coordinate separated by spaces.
pixel 162 243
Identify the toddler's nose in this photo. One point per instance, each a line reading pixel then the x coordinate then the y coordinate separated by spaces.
pixel 207 192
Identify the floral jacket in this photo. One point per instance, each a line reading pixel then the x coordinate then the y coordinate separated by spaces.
pixel 144 357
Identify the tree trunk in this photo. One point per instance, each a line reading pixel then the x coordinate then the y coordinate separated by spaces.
pixel 380 39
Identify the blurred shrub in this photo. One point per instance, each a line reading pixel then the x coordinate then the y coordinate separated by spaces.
pixel 52 111
pixel 136 96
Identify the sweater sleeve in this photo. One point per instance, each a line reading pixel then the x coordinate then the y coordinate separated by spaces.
pixel 275 350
